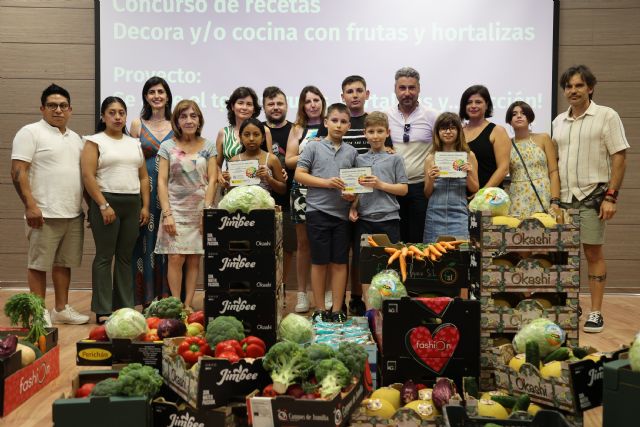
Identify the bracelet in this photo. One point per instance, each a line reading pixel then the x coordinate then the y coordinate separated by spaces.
pixel 610 199
pixel 166 213
pixel 555 201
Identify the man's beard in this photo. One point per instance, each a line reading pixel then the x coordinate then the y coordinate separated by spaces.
pixel 277 122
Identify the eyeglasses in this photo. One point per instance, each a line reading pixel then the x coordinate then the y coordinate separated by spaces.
pixel 449 129
pixel 52 106
pixel 405 136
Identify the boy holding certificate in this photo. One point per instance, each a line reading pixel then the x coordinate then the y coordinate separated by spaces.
pixel 327 210
pixel 378 211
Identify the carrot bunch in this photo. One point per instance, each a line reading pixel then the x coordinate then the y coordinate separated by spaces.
pixel 418 251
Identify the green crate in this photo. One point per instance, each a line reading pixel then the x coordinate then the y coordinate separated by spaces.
pixel 621 393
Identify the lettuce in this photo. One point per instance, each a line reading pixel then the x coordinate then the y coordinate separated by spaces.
pixel 126 323
pixel 295 328
pixel 247 198
pixel 492 199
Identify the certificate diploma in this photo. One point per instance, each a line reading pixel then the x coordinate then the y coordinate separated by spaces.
pixel 244 172
pixel 351 179
pixel 450 163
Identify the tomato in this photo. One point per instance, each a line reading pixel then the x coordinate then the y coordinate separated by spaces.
pixel 152 322
pixel 85 390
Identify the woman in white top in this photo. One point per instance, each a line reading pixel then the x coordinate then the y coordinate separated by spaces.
pixel 115 176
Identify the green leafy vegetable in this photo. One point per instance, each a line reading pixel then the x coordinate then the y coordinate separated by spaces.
pixel 247 198
pixel 332 375
pixel 286 362
pixel 166 308
pixel 295 328
pixel 126 323
pixel 139 380
pixel 224 328
pixel 27 310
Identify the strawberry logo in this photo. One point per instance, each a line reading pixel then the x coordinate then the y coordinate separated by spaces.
pixel 433 350
pixel 436 305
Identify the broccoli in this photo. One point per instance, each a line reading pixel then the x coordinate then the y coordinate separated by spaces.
pixel 166 308
pixel 108 387
pixel 286 362
pixel 138 380
pixel 353 356
pixel 332 375
pixel 224 328
pixel 318 352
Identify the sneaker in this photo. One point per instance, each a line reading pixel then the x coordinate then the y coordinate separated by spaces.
pixel 328 300
pixel 47 318
pixel 357 307
pixel 302 306
pixel 69 316
pixel 594 323
pixel 320 316
pixel 339 317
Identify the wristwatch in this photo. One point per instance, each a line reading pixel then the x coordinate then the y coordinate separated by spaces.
pixel 612 193
pixel 104 207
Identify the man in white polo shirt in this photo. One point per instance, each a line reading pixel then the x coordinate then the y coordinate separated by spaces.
pixel 411 125
pixel 45 169
pixel 591 160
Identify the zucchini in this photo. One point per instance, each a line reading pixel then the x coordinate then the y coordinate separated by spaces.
pixel 561 354
pixel 581 352
pixel 491 425
pixel 506 401
pixel 532 353
pixel 33 347
pixel 522 403
pixel 470 387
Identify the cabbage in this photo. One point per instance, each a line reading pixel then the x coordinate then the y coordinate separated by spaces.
pixel 544 332
pixel 492 199
pixel 295 328
pixel 126 323
pixel 247 198
pixel 634 354
pixel 386 284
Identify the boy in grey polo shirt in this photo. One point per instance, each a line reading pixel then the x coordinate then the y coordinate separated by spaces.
pixel 328 209
pixel 379 211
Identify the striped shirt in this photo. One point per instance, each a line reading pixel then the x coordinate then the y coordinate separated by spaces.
pixel 585 145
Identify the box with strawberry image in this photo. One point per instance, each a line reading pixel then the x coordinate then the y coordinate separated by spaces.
pixel 426 338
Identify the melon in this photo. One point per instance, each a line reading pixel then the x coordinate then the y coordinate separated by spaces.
pixel 489 408
pixel 634 354
pixel 389 394
pixel 424 408
pixel 379 408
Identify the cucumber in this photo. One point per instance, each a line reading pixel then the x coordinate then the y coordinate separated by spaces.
pixel 522 403
pixel 506 401
pixel 580 352
pixel 561 354
pixel 532 353
pixel 33 347
pixel 491 425
pixel 470 387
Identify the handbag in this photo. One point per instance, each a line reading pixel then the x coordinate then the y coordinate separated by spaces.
pixel 528 176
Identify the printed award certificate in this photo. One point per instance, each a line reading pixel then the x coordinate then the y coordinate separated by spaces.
pixel 244 172
pixel 450 162
pixel 351 179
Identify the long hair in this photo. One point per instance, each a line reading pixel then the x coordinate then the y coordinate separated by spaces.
pixel 146 111
pixel 445 121
pixel 301 117
pixel 242 92
pixel 257 123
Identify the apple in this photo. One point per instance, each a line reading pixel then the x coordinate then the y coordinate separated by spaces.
pixel 194 329
pixel 98 333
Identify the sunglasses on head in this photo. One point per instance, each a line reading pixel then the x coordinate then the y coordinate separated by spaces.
pixel 405 136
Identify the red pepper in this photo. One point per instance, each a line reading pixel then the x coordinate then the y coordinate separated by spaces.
pixel 268 391
pixel 153 322
pixel 253 350
pixel 230 355
pixel 234 345
pixel 192 348
pixel 253 340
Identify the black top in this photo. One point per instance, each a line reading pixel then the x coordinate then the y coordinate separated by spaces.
pixel 483 149
pixel 279 137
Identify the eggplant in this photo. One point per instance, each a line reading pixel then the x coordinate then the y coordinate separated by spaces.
pixel 443 390
pixel 168 328
pixel 8 346
pixel 409 392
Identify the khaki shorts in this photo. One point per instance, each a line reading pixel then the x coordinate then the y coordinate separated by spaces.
pixel 592 228
pixel 58 243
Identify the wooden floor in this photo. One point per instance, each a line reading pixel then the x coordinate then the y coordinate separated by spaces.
pixel 620 312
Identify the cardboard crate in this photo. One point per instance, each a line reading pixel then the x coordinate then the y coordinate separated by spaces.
pixel 579 388
pixel 527 275
pixel 259 311
pixel 119 350
pixel 103 411
pixel 449 274
pixel 286 411
pixel 214 382
pixel 425 338
pixel 457 416
pixel 257 231
pixel 530 234
pixel 404 416
pixel 506 319
pixel 243 270
pixel 18 384
pixel 621 393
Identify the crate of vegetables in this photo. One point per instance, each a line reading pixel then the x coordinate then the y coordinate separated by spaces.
pixel 29 354
pixel 220 368
pixel 99 397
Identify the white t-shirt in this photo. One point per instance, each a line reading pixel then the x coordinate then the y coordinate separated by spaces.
pixel 54 175
pixel 118 163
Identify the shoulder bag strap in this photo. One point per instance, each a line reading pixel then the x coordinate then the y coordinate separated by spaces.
pixel 528 176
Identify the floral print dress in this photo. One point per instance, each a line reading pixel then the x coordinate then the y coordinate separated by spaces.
pixel 188 182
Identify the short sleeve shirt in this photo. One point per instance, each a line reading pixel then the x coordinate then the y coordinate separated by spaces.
pixel 585 145
pixel 54 173
pixel 118 163
pixel 322 160
pixel 379 205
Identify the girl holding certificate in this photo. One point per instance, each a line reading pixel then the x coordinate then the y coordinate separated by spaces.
pixel 267 171
pixel 450 170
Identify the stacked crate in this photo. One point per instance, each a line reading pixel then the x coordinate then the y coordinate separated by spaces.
pixel 510 296
pixel 243 269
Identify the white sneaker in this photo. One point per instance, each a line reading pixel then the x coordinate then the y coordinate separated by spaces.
pixel 69 316
pixel 328 300
pixel 47 318
pixel 303 303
